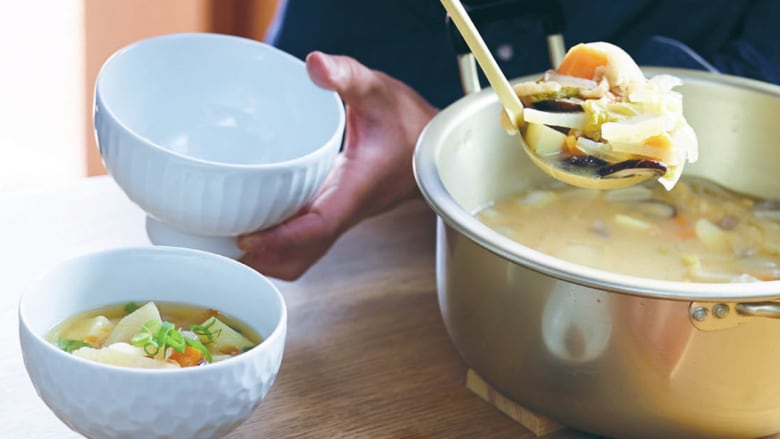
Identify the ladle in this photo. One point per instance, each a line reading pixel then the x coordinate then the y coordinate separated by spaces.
pixel 590 172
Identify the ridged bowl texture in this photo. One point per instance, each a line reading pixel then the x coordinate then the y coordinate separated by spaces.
pixel 214 135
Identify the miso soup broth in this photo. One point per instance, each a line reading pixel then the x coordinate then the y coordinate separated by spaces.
pixel 698 231
pixel 155 335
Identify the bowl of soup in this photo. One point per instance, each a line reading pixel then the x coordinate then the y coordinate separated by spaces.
pixel 152 342
pixel 635 313
pixel 214 136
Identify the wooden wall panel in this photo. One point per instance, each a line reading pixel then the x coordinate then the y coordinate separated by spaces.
pixel 247 18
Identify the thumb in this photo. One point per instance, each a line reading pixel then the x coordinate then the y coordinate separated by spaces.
pixel 345 75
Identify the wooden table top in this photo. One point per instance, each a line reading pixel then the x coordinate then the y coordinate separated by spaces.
pixel 367 355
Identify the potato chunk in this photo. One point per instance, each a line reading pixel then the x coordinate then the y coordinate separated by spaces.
pixel 544 140
pixel 122 354
pixel 228 341
pixel 94 331
pixel 711 235
pixel 131 324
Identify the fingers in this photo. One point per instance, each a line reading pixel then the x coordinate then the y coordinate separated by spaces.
pixel 322 70
pixel 349 78
pixel 373 174
pixel 287 250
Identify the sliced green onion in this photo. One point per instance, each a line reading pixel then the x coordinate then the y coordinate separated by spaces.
pixel 141 339
pixel 176 340
pixel 130 307
pixel 146 338
pixel 151 349
pixel 204 331
pixel 69 345
pixel 161 336
pixel 156 336
pixel 199 346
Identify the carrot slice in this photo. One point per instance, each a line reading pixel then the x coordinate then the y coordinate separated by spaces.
pixel 661 141
pixel 582 61
pixel 684 228
pixel 190 357
pixel 571 145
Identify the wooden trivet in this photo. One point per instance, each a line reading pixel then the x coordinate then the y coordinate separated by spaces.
pixel 537 424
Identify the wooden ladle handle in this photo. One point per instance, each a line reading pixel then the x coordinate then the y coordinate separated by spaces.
pixel 496 78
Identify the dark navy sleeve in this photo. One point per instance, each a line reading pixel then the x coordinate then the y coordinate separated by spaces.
pixel 408 39
pixel 755 52
pixel 750 49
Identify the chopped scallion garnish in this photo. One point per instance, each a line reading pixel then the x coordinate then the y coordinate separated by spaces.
pixel 204 331
pixel 69 345
pixel 130 307
pixel 199 346
pixel 159 336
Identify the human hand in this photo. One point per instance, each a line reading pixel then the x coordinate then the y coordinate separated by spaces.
pixel 371 175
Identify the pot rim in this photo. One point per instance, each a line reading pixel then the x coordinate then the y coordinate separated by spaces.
pixel 425 160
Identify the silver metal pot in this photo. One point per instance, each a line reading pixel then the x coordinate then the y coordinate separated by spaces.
pixel 605 353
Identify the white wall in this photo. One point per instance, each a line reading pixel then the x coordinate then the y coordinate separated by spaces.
pixel 41 93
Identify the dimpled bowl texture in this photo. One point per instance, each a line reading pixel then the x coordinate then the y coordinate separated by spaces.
pixel 110 402
pixel 214 135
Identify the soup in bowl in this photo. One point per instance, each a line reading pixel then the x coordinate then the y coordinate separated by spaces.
pixel 154 335
pixel 122 399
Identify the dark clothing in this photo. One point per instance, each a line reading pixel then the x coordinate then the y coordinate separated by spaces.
pixel 408 39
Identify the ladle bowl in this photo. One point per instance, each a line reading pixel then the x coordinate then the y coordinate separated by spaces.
pixel 589 177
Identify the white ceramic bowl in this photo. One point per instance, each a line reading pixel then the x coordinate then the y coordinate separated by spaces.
pixel 103 401
pixel 214 135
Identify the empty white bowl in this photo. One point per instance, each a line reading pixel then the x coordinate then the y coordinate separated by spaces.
pixel 214 135
pixel 104 401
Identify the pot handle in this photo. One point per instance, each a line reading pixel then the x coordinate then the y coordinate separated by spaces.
pixel 759 309
pixel 715 316
pixel 548 12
